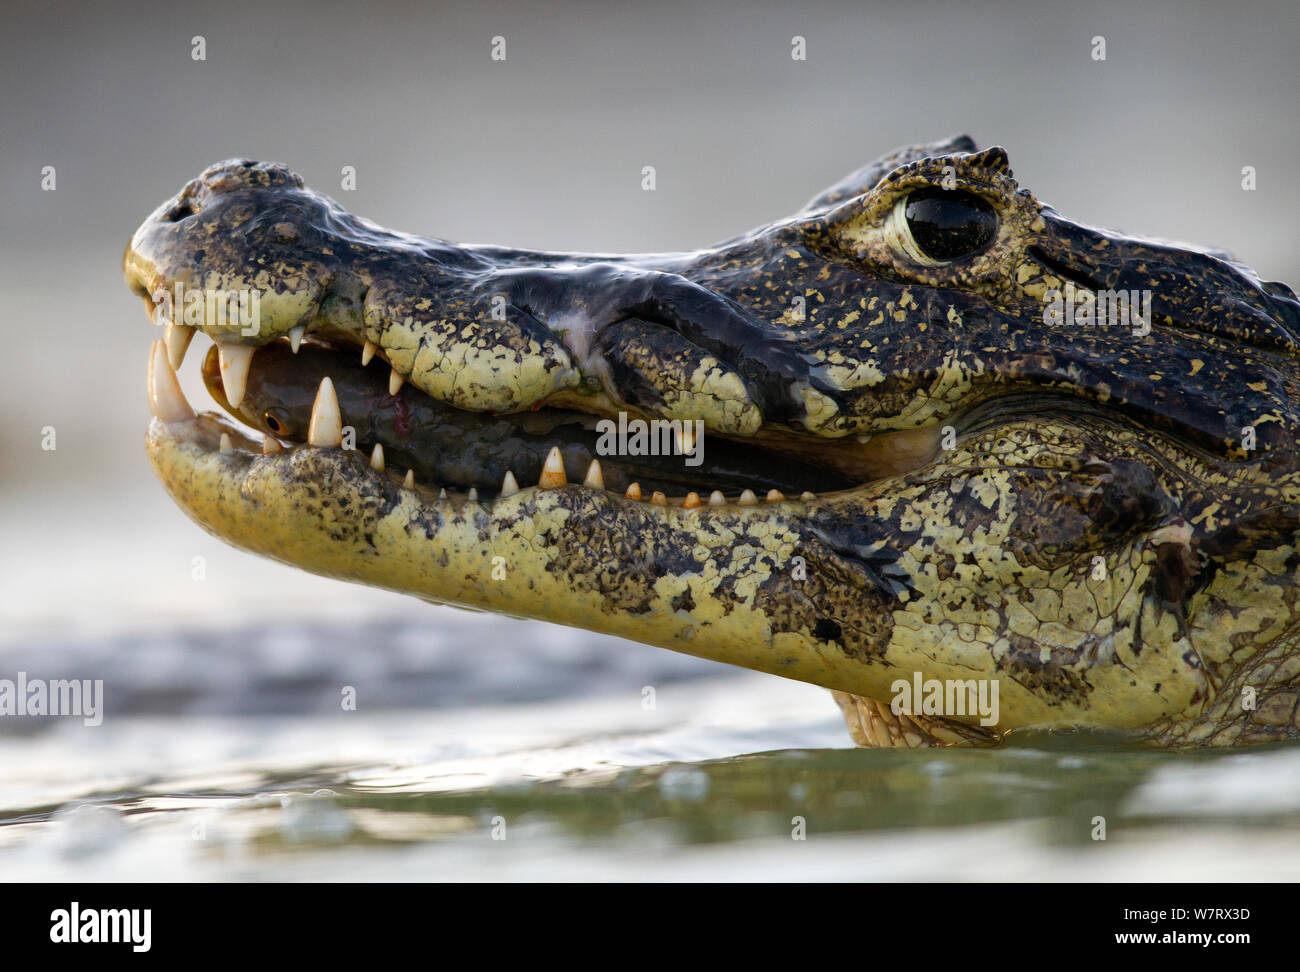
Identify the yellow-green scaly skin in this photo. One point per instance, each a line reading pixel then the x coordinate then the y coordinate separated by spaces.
pixel 1094 530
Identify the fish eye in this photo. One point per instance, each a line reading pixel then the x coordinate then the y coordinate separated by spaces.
pixel 949 223
pixel 276 421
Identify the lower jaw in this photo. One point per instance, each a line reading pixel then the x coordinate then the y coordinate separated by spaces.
pixel 677 575
pixel 325 510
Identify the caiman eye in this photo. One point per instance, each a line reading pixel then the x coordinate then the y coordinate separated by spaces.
pixel 276 421
pixel 949 223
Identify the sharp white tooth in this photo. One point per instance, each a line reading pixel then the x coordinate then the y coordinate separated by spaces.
pixel 225 443
pixel 806 496
pixel 508 485
pixel 472 495
pixel 367 352
pixel 234 360
pixel 633 491
pixel 178 338
pixel 553 471
pixel 395 382
pixel 377 457
pixel 166 400
pixel 717 499
pixel 442 494
pixel 326 428
pixel 595 478
pixel 747 498
pixel 775 496
pixel 692 501
pixel 409 479
pixel 271 445
pixel 295 336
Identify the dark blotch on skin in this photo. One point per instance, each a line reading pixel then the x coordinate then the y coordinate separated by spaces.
pixel 826 630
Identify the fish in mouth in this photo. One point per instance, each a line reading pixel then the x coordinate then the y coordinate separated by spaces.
pixel 926 441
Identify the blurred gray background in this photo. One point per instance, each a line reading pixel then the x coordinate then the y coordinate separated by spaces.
pixel 542 150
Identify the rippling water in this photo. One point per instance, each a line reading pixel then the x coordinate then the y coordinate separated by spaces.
pixel 488 749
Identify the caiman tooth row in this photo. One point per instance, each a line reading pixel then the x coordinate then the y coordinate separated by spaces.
pixel 395 378
pixel 234 358
pixel 692 500
pixel 325 431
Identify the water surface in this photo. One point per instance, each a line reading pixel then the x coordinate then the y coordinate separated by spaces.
pixel 485 749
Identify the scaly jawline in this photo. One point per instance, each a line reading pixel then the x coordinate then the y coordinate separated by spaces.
pixel 325 510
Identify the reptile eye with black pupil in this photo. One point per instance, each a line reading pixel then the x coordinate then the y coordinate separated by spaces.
pixel 949 223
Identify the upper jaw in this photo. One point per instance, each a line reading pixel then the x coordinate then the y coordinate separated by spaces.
pixel 600 335
pixel 662 337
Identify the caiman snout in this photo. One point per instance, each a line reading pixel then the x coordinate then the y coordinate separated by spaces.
pixel 943 435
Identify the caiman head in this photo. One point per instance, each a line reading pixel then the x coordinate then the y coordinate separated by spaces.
pixel 924 438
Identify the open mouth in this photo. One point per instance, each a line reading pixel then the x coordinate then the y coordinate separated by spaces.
pixel 316 394
pixel 312 393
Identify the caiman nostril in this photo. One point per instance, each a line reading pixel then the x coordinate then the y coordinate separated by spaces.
pixel 180 211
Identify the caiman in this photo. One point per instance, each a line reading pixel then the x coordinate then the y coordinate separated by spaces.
pixel 941 435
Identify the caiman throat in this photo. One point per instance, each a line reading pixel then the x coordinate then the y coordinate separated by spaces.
pixel 971 465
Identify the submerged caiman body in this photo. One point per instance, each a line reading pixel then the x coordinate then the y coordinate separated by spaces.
pixel 950 438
